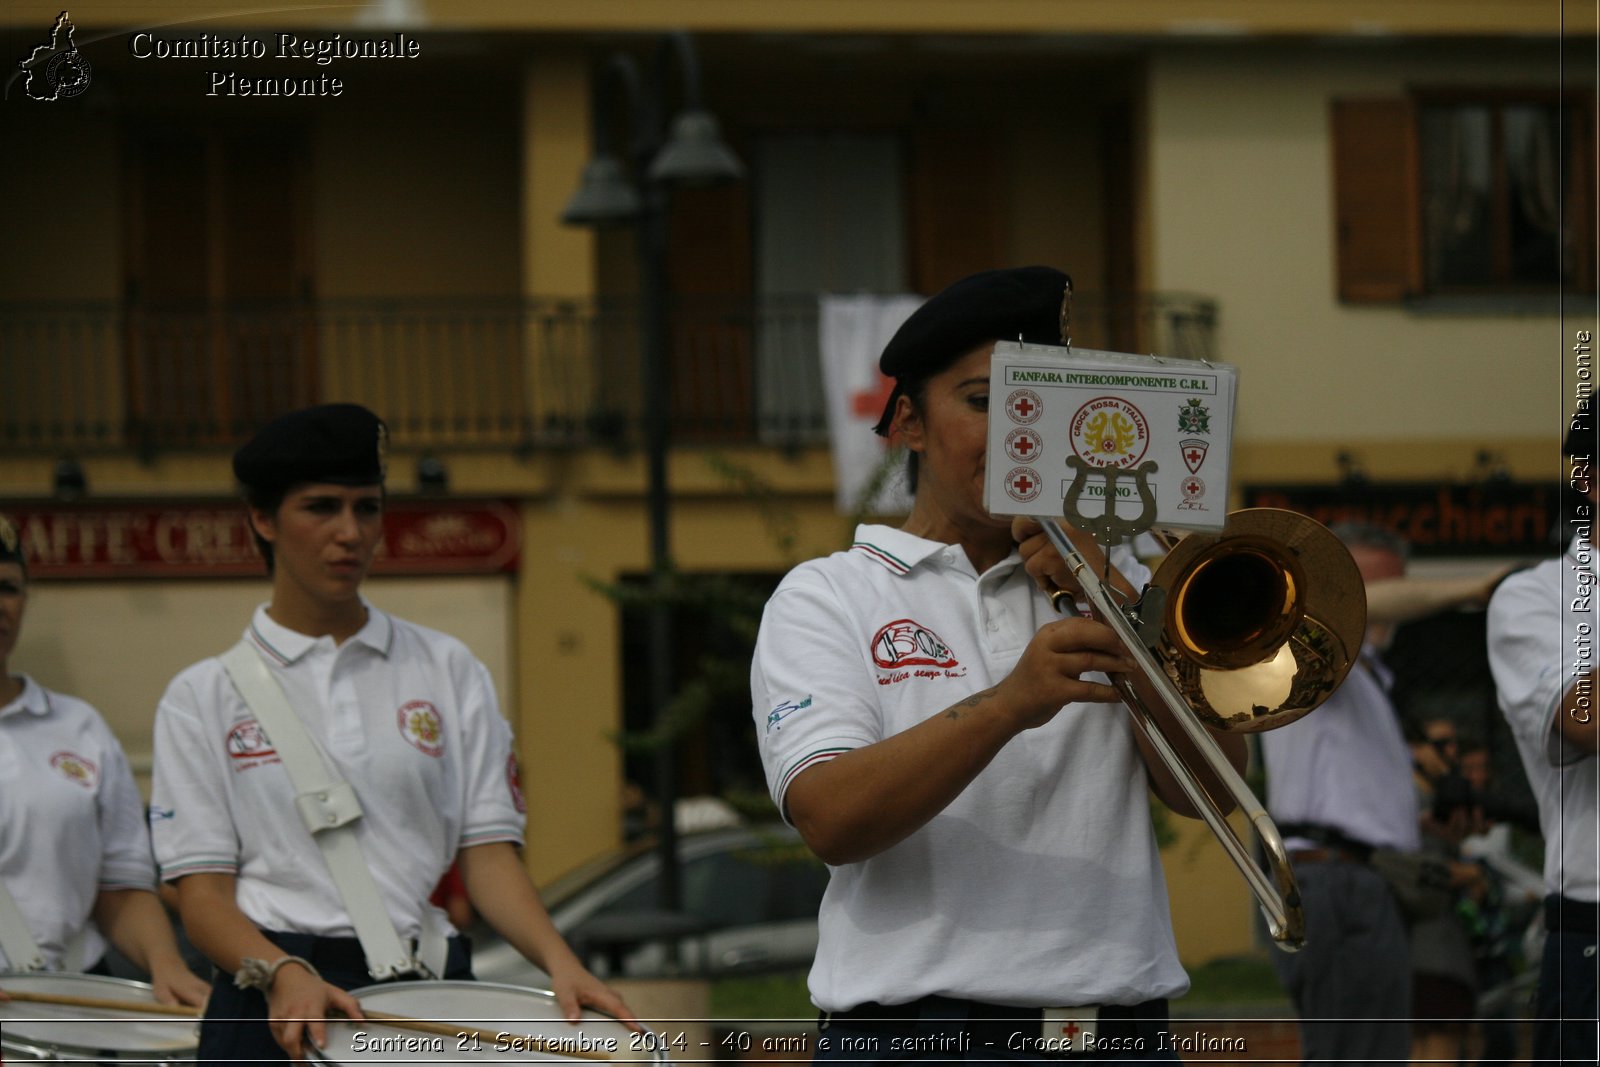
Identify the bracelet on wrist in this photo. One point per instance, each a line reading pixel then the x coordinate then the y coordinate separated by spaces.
pixel 258 974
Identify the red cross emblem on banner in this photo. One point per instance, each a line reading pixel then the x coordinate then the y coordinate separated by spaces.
pixel 1194 453
pixel 1071 1030
pixel 1023 444
pixel 1024 406
pixel 1023 484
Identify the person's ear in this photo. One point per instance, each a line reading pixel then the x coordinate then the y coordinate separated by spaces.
pixel 264 525
pixel 907 426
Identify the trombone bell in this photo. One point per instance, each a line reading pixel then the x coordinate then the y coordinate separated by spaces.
pixel 1263 620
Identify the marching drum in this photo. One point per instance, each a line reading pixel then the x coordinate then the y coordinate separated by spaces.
pixel 31 1030
pixel 478 1022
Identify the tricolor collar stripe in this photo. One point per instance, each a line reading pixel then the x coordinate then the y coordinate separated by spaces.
pixel 889 560
pixel 265 646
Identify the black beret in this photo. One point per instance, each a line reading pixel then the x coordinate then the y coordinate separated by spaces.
pixel 339 443
pixel 11 544
pixel 1022 303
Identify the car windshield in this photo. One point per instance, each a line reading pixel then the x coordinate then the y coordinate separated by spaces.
pixel 564 886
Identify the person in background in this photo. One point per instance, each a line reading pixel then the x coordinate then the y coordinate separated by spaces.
pixel 1542 652
pixel 1340 788
pixel 74 848
pixel 1444 973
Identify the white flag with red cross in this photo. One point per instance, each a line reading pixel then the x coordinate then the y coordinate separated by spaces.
pixel 852 331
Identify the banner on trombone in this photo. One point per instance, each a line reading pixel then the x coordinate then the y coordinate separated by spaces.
pixel 1081 428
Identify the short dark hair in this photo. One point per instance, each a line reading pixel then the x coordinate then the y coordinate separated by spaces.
pixel 268 499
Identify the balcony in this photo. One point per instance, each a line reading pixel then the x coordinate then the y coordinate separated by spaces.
pixel 514 374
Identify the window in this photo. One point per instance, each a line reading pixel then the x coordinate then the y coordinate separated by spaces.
pixel 218 335
pixel 1461 193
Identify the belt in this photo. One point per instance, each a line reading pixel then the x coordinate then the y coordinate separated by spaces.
pixel 1329 840
pixel 1329 854
pixel 948 1024
pixel 1565 915
pixel 343 954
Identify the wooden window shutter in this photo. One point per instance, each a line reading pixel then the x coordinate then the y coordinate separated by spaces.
pixel 954 185
pixel 1376 192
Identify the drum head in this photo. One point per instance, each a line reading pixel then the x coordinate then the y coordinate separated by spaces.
pixel 31 1027
pixel 480 1021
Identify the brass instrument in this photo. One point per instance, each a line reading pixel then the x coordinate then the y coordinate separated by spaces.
pixel 1245 630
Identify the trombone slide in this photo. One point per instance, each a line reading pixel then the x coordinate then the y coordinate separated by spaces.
pixel 1279 896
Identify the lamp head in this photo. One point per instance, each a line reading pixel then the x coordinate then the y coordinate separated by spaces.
pixel 695 153
pixel 605 196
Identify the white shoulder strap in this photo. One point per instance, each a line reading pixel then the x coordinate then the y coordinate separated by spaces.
pixel 329 809
pixel 22 951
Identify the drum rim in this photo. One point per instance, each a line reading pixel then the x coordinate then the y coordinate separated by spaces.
pixel 323 1055
pixel 75 976
pixel 131 1053
pixel 471 983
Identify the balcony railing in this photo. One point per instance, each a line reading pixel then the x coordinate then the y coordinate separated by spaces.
pixel 520 374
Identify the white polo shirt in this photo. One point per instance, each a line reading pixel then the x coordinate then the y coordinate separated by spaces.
pixel 71 820
pixel 1040 884
pixel 405 714
pixel 1346 766
pixel 1541 637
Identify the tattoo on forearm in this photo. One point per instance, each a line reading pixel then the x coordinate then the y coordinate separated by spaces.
pixel 970 702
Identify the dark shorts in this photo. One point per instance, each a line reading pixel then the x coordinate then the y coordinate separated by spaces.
pixel 234 1029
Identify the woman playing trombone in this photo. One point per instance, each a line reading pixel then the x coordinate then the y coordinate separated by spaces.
pixel 952 747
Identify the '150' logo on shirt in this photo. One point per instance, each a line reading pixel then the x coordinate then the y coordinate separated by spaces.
pixel 249 746
pixel 906 643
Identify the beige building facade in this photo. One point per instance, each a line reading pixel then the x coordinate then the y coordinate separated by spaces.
pixel 181 266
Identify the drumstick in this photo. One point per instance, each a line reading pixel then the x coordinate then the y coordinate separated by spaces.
pixel 523 1042
pixel 103 1003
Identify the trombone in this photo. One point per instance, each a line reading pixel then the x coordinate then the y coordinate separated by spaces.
pixel 1245 630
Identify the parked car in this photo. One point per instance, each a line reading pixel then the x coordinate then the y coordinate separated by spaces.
pixel 749 904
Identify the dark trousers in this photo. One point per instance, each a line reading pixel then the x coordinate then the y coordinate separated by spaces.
pixel 1351 983
pixel 234 1030
pixel 1568 1000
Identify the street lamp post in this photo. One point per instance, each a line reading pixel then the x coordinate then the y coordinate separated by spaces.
pixel 690 153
